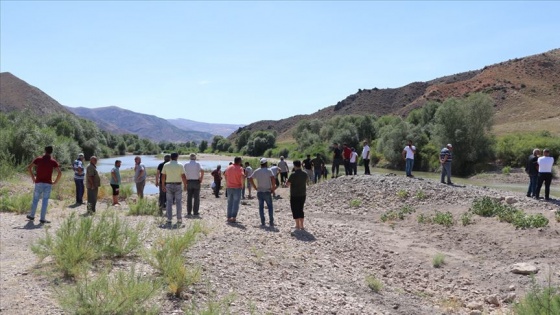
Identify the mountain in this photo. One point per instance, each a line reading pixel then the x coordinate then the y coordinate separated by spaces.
pixel 216 129
pixel 118 120
pixel 526 92
pixel 18 95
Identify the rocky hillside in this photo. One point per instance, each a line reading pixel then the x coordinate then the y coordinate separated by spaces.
pixel 118 120
pixel 18 95
pixel 526 92
pixel 223 130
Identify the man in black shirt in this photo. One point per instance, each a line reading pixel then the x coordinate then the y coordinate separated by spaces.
pixel 162 194
pixel 337 160
pixel 307 167
pixel 297 183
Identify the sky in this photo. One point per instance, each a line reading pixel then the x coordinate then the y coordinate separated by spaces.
pixel 238 62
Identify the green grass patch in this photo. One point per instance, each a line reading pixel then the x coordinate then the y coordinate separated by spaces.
pixel 438 260
pixel 212 307
pixel 443 218
pixel 466 218
pixel 374 284
pixel 20 203
pixel 355 203
pixel 402 194
pixel 401 214
pixel 421 195
pixel 488 207
pixel 540 300
pixel 144 206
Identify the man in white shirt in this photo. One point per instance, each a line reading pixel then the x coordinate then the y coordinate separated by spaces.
pixel 545 174
pixel 354 162
pixel 194 174
pixel 365 157
pixel 408 155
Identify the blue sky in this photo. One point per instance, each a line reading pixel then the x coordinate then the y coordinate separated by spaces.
pixel 239 62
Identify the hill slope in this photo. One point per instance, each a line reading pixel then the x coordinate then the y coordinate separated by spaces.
pixel 18 95
pixel 215 129
pixel 526 92
pixel 118 120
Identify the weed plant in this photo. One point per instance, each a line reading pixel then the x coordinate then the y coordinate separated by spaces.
pixel 125 293
pixel 374 284
pixel 81 241
pixel 488 207
pixel 400 214
pixel 557 216
pixel 423 219
pixel 144 207
pixel 539 300
pixel 443 218
pixel 355 203
pixel 18 203
pixel 466 218
pixel 506 170
pixel 438 260
pixel 125 191
pixel 402 194
pixel 212 307
pixel 421 195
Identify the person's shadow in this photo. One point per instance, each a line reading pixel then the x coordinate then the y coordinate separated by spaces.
pixel 237 225
pixel 30 225
pixel 304 236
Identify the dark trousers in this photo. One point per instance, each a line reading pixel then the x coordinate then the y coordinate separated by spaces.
pixel 335 167
pixel 193 192
pixel 162 198
pixel 79 190
pixel 347 168
pixel 217 188
pixel 366 166
pixel 92 199
pixel 545 178
pixel 353 168
pixel 533 179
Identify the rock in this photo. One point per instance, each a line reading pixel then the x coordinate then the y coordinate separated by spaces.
pixel 511 200
pixel 524 269
pixel 475 306
pixel 511 287
pixel 493 300
pixel 510 297
pixel 475 312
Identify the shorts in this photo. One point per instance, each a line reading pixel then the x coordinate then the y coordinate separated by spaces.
pixel 296 204
pixel 115 189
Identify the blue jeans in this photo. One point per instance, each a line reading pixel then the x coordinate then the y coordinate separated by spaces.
pixel 409 166
pixel 265 196
pixel 531 191
pixel 446 171
pixel 316 175
pixel 234 198
pixel 79 190
pixel 44 190
pixel 174 191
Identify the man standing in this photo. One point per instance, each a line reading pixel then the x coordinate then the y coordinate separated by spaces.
pixel 194 174
pixel 217 174
pixel 172 177
pixel 353 162
pixel 532 169
pixel 408 155
pixel 318 164
pixel 139 176
pixel 266 185
pixel 116 182
pixel 234 181
pixel 307 168
pixel 297 182
pixel 337 159
pixel 365 157
pixel 284 170
pixel 445 158
pixel 248 173
pixel 346 153
pixel 92 185
pixel 44 166
pixel 78 167
pixel 162 198
pixel 545 174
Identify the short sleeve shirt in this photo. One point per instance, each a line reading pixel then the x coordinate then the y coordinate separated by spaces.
pixel 317 163
pixel 444 152
pixel 173 171
pixel 234 176
pixel 192 170
pixel 365 152
pixel 91 172
pixel 117 173
pixel 263 178
pixel 76 166
pixel 45 166
pixel 283 166
pixel 137 169
pixel 298 183
pixel 545 164
pixel 337 153
pixel 353 157
pixel 409 152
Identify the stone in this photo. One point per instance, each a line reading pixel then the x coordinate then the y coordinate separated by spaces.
pixel 493 300
pixel 524 269
pixel 511 200
pixel 475 312
pixel 510 297
pixel 475 306
pixel 511 287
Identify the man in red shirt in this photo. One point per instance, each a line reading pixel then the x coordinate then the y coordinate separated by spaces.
pixel 234 181
pixel 346 154
pixel 42 177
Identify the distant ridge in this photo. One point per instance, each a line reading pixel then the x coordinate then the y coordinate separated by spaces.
pixel 18 95
pixel 526 92
pixel 223 130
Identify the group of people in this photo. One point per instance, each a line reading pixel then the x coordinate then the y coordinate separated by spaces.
pixel 539 169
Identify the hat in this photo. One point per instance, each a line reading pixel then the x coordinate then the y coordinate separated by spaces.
pixel 193 156
pixel 263 161
pixel 81 154
pixel 449 145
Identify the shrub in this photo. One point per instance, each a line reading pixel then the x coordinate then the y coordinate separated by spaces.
pixel 506 170
pixel 18 203
pixel 489 207
pixel 557 216
pixel 438 260
pixel 445 219
pixel 403 194
pixel 422 218
pixel 374 284
pixel 539 300
pixel 80 241
pixel 355 203
pixel 466 218
pixel 125 191
pixel 125 293
pixel 421 195
pixel 144 207
pixel 393 215
pixel 212 307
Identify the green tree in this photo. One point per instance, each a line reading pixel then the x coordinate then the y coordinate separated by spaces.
pixel 203 146
pixel 259 142
pixel 242 139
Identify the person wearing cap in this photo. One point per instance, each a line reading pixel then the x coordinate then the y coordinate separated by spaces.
pixel 172 175
pixel 194 174
pixel 139 176
pixel 284 170
pixel 265 187
pixel 235 176
pixel 297 183
pixel 545 174
pixel 115 182
pixel 408 155
pixel 42 178
pixel 162 196
pixel 92 184
pixel 78 167
pixel 445 158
